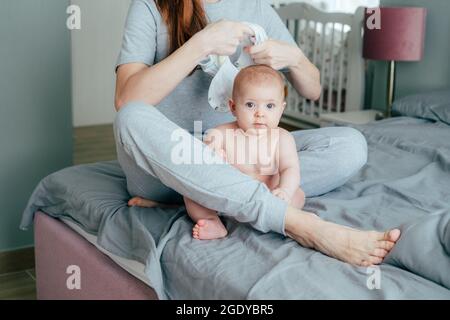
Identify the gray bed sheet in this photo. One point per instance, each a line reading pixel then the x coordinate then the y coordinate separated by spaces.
pixel 405 184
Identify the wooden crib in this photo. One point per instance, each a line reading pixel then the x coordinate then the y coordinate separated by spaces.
pixel 333 42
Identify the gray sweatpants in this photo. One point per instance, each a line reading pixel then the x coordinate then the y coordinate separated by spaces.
pixel 145 145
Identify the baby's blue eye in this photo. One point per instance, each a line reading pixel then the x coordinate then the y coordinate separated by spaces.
pixel 249 105
pixel 270 106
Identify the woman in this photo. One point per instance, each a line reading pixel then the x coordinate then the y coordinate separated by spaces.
pixel 160 89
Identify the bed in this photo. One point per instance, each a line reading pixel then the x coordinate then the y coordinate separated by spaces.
pixel 61 246
pixel 405 184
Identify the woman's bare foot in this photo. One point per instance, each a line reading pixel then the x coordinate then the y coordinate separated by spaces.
pixel 145 203
pixel 209 229
pixel 141 202
pixel 361 248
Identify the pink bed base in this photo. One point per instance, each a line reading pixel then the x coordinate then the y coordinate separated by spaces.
pixel 57 247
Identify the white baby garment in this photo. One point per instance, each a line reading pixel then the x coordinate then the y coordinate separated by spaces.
pixel 224 72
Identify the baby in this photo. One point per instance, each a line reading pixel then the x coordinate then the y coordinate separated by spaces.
pixel 253 143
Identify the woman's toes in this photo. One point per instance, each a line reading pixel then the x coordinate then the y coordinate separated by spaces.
pixel 371 261
pixel 393 235
pixel 390 235
pixel 381 253
pixel 136 201
pixel 365 263
pixel 375 260
pixel 386 245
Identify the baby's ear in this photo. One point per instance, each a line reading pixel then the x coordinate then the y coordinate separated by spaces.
pixel 231 104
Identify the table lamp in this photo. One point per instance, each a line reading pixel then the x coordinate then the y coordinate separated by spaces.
pixel 400 38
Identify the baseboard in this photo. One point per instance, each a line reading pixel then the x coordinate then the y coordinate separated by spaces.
pixel 16 260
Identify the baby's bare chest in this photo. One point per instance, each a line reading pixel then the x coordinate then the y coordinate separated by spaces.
pixel 253 155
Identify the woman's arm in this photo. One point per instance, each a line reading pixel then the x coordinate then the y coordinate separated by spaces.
pixel 303 75
pixel 136 81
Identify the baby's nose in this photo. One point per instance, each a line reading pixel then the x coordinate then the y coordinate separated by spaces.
pixel 259 112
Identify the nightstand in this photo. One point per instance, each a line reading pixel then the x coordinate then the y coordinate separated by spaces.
pixel 350 118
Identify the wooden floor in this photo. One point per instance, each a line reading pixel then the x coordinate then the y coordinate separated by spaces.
pixel 19 285
pixel 94 144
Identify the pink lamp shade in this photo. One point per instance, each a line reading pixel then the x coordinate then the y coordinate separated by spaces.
pixel 401 37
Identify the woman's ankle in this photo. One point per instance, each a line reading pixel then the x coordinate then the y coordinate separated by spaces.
pixel 302 226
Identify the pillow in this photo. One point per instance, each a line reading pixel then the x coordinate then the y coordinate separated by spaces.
pixel 432 106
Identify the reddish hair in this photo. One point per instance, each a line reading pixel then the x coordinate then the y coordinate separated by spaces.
pixel 257 74
pixel 183 18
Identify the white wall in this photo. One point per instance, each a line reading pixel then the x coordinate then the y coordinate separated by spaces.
pixel 94 52
pixel 334 5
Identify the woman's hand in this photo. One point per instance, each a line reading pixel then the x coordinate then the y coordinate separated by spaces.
pixel 223 37
pixel 304 76
pixel 275 54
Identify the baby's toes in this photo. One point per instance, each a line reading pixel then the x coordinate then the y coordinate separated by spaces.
pixel 195 233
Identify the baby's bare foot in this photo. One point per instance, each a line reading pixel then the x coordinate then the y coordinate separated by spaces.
pixel 209 229
pixel 362 248
pixel 140 202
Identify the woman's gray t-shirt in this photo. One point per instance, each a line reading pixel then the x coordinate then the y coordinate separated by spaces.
pixel 145 40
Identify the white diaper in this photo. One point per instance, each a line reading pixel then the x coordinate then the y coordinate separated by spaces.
pixel 224 72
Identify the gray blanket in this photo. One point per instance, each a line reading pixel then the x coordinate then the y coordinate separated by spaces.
pixel 405 184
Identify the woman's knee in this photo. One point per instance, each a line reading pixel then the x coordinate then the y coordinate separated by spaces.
pixel 129 114
pixel 130 118
pixel 353 150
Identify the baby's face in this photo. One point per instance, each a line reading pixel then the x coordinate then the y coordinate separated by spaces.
pixel 259 107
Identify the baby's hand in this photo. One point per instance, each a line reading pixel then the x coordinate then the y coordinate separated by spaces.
pixel 222 154
pixel 282 194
